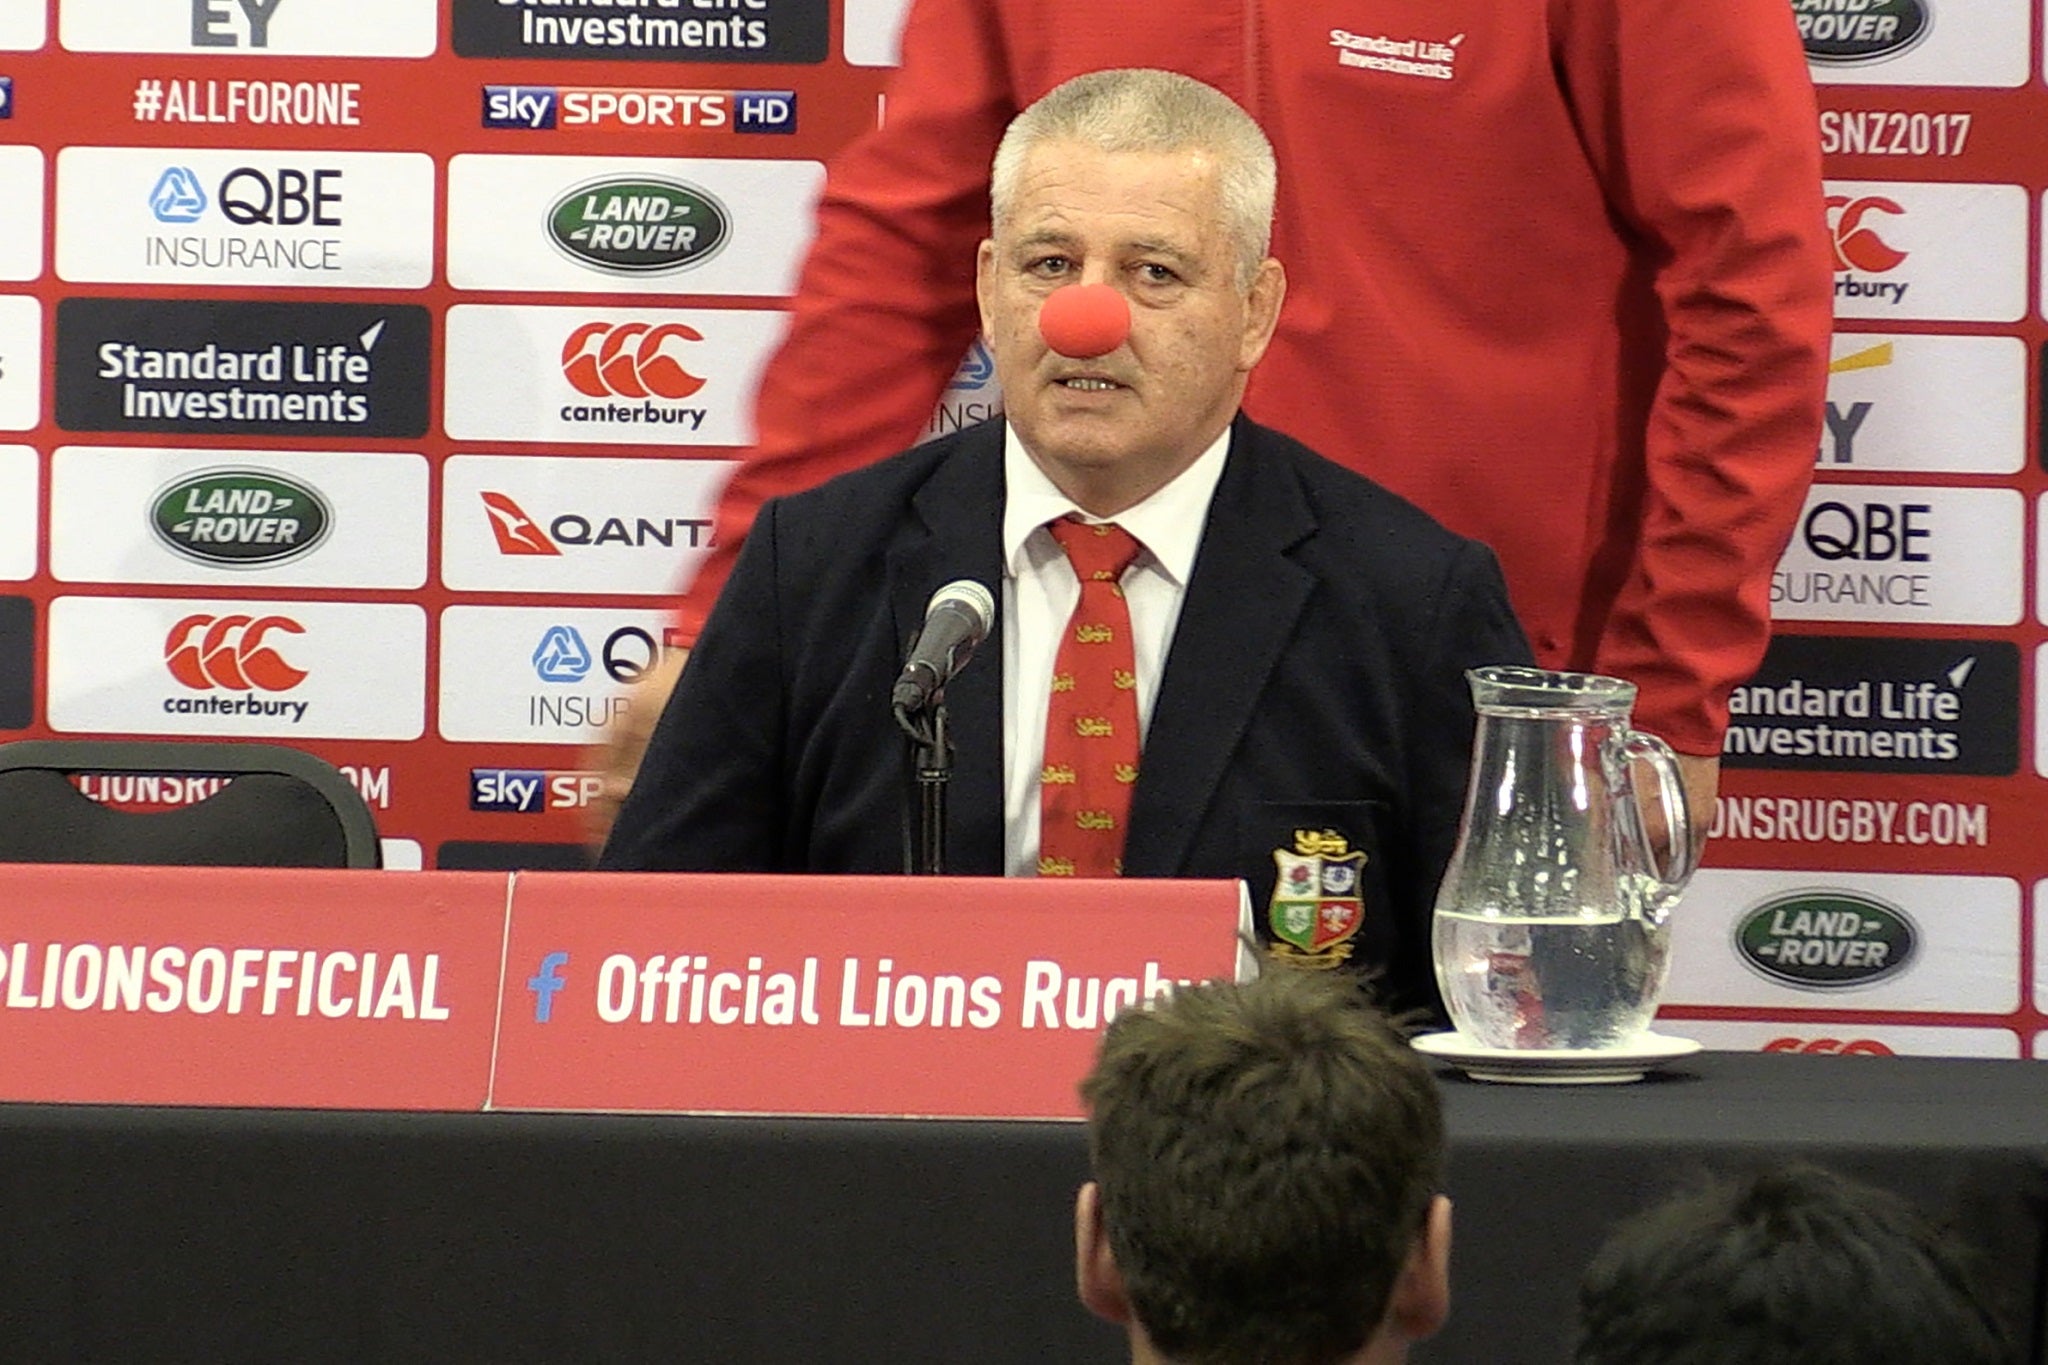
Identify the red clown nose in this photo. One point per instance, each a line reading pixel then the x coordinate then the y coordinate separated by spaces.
pixel 1083 321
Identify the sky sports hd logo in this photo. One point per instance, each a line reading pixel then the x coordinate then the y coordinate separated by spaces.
pixel 544 108
pixel 529 791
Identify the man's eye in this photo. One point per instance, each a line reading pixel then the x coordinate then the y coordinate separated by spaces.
pixel 1155 273
pixel 1050 265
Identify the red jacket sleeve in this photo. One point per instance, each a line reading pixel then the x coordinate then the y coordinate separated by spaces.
pixel 1701 122
pixel 884 308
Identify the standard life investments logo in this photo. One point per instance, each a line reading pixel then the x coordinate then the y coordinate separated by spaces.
pixel 302 369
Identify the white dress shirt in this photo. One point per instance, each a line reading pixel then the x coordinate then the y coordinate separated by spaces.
pixel 1039 595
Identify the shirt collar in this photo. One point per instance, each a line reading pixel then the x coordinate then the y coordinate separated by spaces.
pixel 1168 524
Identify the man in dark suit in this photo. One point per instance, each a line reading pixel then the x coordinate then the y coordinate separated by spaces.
pixel 1291 698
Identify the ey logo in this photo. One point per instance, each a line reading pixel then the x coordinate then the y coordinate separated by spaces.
pixel 545 983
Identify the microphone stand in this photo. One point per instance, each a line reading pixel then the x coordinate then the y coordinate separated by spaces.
pixel 930 755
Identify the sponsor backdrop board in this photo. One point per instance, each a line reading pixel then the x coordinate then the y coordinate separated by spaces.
pixel 289 518
pixel 21 213
pixel 404 344
pixel 19 481
pixel 21 362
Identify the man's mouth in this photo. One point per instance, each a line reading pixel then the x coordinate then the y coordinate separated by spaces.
pixel 1088 384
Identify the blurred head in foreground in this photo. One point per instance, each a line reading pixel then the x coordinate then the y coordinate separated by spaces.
pixel 1796 1266
pixel 1267 1159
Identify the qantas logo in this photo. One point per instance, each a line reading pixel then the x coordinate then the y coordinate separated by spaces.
pixel 208 652
pixel 516 532
pixel 629 360
pixel 519 534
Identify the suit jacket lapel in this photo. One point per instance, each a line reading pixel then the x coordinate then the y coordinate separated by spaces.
pixel 959 535
pixel 1239 613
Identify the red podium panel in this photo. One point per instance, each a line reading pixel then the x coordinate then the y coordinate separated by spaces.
pixel 930 997
pixel 248 987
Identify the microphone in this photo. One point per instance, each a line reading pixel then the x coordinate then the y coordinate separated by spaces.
pixel 956 620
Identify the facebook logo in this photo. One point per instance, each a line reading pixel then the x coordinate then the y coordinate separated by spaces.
pixel 520 106
pixel 764 111
pixel 545 983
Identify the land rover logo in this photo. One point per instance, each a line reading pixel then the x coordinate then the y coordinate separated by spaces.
pixel 1840 32
pixel 1825 940
pixel 638 225
pixel 240 518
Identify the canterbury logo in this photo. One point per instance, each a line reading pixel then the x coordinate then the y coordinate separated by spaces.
pixel 1093 635
pixel 205 652
pixel 1057 775
pixel 1094 819
pixel 1125 773
pixel 628 360
pixel 1858 247
pixel 1124 679
pixel 1056 867
pixel 1093 727
pixel 516 532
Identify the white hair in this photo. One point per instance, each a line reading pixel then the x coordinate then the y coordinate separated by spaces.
pixel 1140 110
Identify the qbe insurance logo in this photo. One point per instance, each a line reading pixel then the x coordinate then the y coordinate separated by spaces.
pixel 327 220
pixel 21 362
pixel 255 28
pixel 1939 252
pixel 1926 404
pixel 24 25
pixel 1847 941
pixel 780 31
pixel 19 485
pixel 541 675
pixel 1868 704
pixel 606 375
pixel 971 396
pixel 1914 42
pixel 246 369
pixel 1948 556
pixel 194 666
pixel 629 225
pixel 545 524
pixel 21 213
pixel 629 108
pixel 309 519
pixel 1851 1040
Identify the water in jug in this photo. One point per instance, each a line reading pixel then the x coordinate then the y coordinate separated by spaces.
pixel 1550 928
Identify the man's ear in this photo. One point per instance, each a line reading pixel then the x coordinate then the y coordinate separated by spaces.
pixel 1422 1295
pixel 1096 1278
pixel 1261 312
pixel 985 284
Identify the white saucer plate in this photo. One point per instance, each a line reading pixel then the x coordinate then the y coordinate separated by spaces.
pixel 1558 1066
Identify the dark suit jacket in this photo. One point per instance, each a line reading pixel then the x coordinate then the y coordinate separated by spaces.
pixel 1315 683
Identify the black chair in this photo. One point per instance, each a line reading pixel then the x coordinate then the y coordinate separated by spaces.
pixel 280 808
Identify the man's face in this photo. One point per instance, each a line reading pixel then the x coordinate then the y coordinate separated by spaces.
pixel 1112 430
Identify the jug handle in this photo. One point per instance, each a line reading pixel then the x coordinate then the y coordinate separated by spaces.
pixel 1684 857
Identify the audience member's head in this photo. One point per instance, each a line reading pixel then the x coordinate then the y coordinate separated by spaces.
pixel 1797 1266
pixel 1267 1159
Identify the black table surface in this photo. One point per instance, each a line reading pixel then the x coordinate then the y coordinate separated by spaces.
pixel 225 1235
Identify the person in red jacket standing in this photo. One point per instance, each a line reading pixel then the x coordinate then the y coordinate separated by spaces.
pixel 1560 273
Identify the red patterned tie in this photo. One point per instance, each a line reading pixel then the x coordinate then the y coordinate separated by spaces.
pixel 1091 724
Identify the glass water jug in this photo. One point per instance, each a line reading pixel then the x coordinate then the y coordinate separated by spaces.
pixel 1550 927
